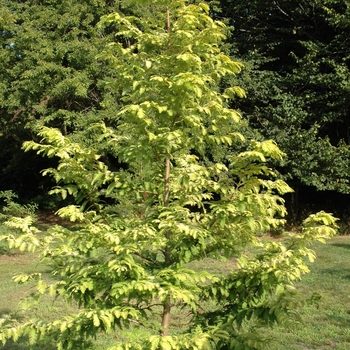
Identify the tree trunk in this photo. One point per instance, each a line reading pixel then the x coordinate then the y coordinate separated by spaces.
pixel 166 317
pixel 167 252
pixel 167 257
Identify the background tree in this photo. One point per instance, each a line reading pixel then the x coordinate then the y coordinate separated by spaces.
pixel 296 75
pixel 49 75
pixel 129 258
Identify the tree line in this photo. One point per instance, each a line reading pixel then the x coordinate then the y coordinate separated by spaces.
pixel 296 74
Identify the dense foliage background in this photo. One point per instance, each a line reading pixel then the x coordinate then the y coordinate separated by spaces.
pixel 296 57
pixel 296 75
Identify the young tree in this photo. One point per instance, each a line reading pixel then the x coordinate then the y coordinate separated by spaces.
pixel 129 260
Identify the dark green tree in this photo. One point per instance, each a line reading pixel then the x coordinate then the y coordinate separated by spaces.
pixel 49 75
pixel 297 77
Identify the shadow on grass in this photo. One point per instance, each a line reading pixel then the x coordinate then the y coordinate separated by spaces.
pixel 9 314
pixel 340 272
pixel 21 344
pixel 3 251
pixel 4 312
pixel 341 245
pixel 6 251
pixel 340 320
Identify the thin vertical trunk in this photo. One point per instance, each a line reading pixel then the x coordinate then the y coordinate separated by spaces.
pixel 166 317
pixel 166 201
pixel 294 205
pixel 64 129
pixel 167 252
pixel 167 257
pixel 168 19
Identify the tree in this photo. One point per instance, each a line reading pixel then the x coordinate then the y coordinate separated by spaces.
pixel 297 69
pixel 49 76
pixel 128 260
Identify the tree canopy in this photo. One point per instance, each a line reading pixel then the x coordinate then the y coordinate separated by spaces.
pixel 49 76
pixel 296 75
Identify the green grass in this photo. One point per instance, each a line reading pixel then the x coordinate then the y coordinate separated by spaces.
pixel 326 324
pixel 12 263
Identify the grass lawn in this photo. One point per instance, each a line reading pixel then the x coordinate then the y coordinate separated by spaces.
pixel 326 325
